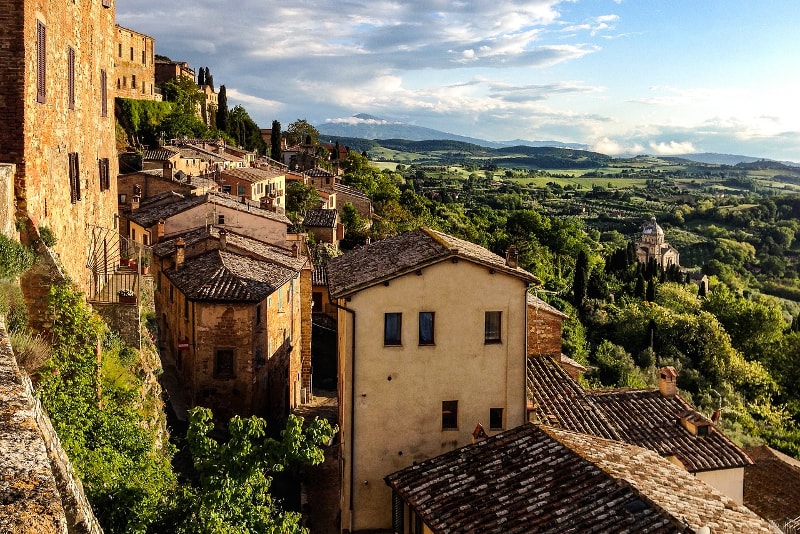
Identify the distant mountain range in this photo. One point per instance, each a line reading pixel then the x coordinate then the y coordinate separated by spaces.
pixel 364 126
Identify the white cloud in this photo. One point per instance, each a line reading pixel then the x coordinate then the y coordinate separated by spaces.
pixel 672 147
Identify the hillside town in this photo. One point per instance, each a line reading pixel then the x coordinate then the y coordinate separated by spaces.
pixel 437 361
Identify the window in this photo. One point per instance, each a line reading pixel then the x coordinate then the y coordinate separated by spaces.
pixel 492 327
pixel 224 363
pixel 103 93
pixel 426 328
pixel 240 190
pixel 450 415
pixel 123 198
pixel 496 418
pixel 131 53
pixel 221 219
pixel 119 52
pixel 133 81
pixel 144 58
pixel 70 77
pixel 226 189
pixel 392 327
pixel 74 178
pixel 258 314
pixel 41 62
pixel 105 179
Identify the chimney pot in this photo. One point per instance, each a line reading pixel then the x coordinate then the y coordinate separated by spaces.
pixel 223 239
pixel 512 257
pixel 160 229
pixel 180 253
pixel 135 201
pixel 667 381
pixel 295 250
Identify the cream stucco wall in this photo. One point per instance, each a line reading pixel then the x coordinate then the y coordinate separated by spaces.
pixel 399 389
pixel 252 224
pixel 728 481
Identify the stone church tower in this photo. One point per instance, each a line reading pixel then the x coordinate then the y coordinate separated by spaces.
pixel 653 245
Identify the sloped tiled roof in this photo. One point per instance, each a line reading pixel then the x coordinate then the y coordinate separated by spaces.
pixel 535 302
pixel 147 216
pixel 237 243
pixel 160 154
pixel 318 172
pixel 532 479
pixel 346 189
pixel 398 255
pixel 641 417
pixel 252 174
pixel 223 276
pixel 319 218
pixel 772 485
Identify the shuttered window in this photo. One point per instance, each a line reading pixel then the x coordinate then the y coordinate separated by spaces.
pixel 105 180
pixel 103 93
pixel 41 61
pixel 71 77
pixel 74 178
pixel 397 514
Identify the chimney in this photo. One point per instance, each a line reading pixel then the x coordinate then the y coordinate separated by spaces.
pixel 135 200
pixel 368 241
pixel 160 230
pixel 512 257
pixel 295 250
pixel 223 239
pixel 167 167
pixel 180 253
pixel 667 378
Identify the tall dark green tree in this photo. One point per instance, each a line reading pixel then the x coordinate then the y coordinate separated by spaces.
pixel 208 78
pixel 275 141
pixel 581 279
pixel 639 290
pixel 222 110
pixel 651 290
pixel 201 76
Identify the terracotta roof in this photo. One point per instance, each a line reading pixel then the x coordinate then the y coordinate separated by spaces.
pixel 532 479
pixel 535 302
pixel 641 417
pixel 147 216
pixel 160 154
pixel 319 218
pixel 772 485
pixel 252 174
pixel 225 277
pixel 346 189
pixel 398 255
pixel 317 172
pixel 237 243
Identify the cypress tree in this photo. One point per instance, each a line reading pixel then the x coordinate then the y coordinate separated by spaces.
pixel 275 141
pixel 639 290
pixel 581 279
pixel 201 76
pixel 651 291
pixel 222 110
pixel 208 78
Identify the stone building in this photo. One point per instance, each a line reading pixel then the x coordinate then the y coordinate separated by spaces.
pixel 134 65
pixel 57 117
pixel 250 183
pixel 544 327
pixel 209 105
pixel 432 344
pixel 166 70
pixel 231 314
pixel 652 246
pixel 324 225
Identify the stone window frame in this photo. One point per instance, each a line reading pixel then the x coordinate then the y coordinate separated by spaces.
pixel 224 363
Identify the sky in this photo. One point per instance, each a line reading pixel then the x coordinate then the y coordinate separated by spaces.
pixel 621 76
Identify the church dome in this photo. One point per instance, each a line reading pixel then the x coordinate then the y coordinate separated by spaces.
pixel 651 227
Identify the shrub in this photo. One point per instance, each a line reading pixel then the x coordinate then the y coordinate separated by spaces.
pixel 31 351
pixel 47 236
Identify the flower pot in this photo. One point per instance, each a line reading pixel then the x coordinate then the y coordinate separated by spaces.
pixel 127 299
pixel 144 269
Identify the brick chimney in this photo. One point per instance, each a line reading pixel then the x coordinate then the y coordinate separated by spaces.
pixel 160 230
pixel 512 257
pixel 135 201
pixel 180 253
pixel 223 239
pixel 295 250
pixel 667 381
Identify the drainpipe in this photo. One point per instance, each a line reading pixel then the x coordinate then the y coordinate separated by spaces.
pixel 352 401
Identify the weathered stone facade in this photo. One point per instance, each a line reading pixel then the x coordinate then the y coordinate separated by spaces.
pixel 134 65
pixel 49 102
pixel 544 328
pixel 7 199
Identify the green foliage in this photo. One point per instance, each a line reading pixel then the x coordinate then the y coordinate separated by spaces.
pixel 12 305
pixel 222 109
pixel 15 258
pixel 232 494
pixel 47 236
pixel 301 132
pixel 93 407
pixel 615 367
pixel 142 119
pixel 245 131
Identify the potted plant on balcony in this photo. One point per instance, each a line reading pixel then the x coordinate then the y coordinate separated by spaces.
pixel 126 296
pixel 144 265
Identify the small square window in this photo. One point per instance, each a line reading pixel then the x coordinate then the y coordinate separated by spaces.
pixel 496 418
pixel 240 190
pixel 492 327
pixel 392 328
pixel 220 219
pixel 224 363
pixel 426 321
pixel 450 415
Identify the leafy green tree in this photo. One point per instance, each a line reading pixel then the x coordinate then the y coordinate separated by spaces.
pixel 245 130
pixel 615 367
pixel 222 110
pixel 232 493
pixel 351 219
pixel 580 279
pixel 186 97
pixel 300 131
pixel 300 198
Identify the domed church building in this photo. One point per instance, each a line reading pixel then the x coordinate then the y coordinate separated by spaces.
pixel 652 245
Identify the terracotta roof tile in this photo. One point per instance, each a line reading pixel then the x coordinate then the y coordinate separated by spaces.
pixel 224 276
pixel 641 417
pixel 320 218
pixel 532 479
pixel 161 154
pixel 535 302
pixel 253 174
pixel 403 253
pixel 772 485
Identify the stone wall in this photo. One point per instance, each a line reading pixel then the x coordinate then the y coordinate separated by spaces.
pixel 7 217
pixel 544 332
pixel 135 70
pixel 36 284
pixel 39 491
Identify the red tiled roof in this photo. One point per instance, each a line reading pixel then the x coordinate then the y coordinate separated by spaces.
pixel 641 417
pixel 772 485
pixel 532 479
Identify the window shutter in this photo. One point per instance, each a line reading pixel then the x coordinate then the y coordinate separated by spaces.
pixel 41 62
pixel 103 93
pixel 105 182
pixel 74 178
pixel 397 513
pixel 71 77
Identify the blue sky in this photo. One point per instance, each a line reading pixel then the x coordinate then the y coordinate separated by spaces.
pixel 622 76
